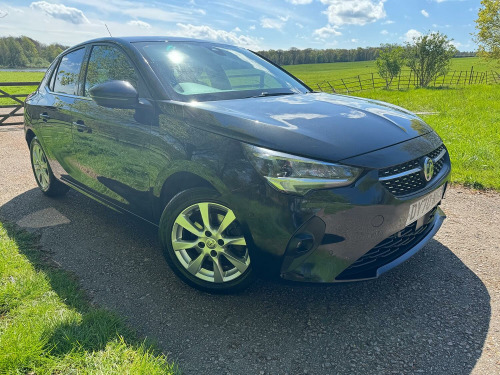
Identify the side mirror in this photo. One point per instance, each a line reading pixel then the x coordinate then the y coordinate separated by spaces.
pixel 115 94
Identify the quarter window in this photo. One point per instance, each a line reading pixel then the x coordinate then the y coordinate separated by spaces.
pixel 66 79
pixel 108 63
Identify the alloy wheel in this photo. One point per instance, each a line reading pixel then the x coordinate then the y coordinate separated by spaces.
pixel 41 167
pixel 208 242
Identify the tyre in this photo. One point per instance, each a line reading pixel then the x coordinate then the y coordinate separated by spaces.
pixel 44 177
pixel 203 242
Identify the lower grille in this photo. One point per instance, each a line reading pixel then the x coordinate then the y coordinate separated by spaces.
pixel 388 250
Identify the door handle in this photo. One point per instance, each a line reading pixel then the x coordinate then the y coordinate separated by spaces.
pixel 81 127
pixel 44 116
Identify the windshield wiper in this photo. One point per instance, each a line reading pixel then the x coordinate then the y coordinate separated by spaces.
pixel 265 93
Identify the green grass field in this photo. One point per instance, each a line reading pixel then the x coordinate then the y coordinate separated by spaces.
pixel 315 73
pixel 47 326
pixel 18 77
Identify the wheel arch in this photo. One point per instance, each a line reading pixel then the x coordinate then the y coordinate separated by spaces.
pixel 30 134
pixel 180 180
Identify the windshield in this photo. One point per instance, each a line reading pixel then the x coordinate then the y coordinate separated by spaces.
pixel 207 71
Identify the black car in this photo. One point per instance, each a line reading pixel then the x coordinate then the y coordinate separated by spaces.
pixel 241 166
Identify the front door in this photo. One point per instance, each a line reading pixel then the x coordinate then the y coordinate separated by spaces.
pixel 110 143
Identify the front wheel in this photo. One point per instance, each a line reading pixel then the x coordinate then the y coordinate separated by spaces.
pixel 203 242
pixel 44 177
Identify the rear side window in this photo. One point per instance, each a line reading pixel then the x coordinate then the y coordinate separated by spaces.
pixel 66 79
pixel 108 63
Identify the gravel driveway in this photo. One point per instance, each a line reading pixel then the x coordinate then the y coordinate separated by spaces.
pixel 439 313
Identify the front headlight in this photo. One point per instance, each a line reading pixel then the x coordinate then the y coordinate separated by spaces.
pixel 298 175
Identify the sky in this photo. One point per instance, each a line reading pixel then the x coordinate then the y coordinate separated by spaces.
pixel 254 24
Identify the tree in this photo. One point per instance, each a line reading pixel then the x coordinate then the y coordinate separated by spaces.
pixel 488 30
pixel 429 56
pixel 389 62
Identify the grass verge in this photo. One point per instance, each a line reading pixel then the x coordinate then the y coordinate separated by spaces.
pixel 47 326
pixel 467 120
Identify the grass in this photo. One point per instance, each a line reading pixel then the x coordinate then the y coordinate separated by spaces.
pixel 47 326
pixel 18 77
pixel 315 73
pixel 467 120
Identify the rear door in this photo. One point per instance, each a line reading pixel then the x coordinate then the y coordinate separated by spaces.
pixel 110 143
pixel 57 109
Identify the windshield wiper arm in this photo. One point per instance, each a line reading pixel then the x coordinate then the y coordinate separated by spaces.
pixel 265 93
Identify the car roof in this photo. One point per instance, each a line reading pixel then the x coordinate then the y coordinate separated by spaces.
pixel 136 39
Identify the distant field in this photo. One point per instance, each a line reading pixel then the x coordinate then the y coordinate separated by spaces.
pixel 315 73
pixel 467 120
pixel 18 77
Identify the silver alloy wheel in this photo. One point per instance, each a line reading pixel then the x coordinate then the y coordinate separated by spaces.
pixel 208 243
pixel 40 166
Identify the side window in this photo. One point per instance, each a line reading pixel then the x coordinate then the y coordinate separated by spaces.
pixel 108 63
pixel 66 78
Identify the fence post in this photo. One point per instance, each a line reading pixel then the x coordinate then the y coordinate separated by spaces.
pixel 409 79
pixel 486 77
pixel 453 76
pixel 345 85
pixel 471 74
pixel 399 79
pixel 319 87
pixel 373 82
pixel 329 84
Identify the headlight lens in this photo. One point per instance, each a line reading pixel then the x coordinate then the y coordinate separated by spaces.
pixel 298 175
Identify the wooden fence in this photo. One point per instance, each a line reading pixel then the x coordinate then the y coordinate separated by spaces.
pixel 15 102
pixel 405 80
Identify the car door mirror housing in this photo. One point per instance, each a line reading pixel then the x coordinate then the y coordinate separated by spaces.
pixel 115 94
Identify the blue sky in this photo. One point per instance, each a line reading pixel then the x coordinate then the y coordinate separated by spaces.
pixel 255 24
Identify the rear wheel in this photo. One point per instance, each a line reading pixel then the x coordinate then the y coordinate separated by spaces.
pixel 44 177
pixel 203 242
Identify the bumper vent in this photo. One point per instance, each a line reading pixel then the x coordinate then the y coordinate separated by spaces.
pixel 407 178
pixel 388 250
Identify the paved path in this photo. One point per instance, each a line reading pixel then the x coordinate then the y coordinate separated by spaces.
pixel 439 313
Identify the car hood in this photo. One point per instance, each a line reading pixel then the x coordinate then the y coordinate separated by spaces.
pixel 316 125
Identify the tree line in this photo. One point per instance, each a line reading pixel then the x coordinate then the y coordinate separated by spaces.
pixel 24 52
pixel 295 56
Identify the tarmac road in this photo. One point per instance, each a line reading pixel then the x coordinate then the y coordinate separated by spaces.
pixel 438 313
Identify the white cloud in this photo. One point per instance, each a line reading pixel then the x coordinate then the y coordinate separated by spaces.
pixel 354 12
pixel 388 22
pixel 273 23
pixel 424 13
pixel 300 2
pixel 354 40
pixel 299 25
pixel 206 32
pixel 326 32
pixel 236 29
pixel 60 11
pixel 252 27
pixel 456 44
pixel 157 14
pixel 141 24
pixel 384 32
pixel 412 34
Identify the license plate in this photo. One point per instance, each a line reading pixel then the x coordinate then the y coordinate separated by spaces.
pixel 424 205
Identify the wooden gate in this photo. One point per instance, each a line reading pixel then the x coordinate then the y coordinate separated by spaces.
pixel 17 102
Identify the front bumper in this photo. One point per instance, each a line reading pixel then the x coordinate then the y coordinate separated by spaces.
pixel 322 266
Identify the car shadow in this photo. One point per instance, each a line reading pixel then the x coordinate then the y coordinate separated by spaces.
pixel 430 315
